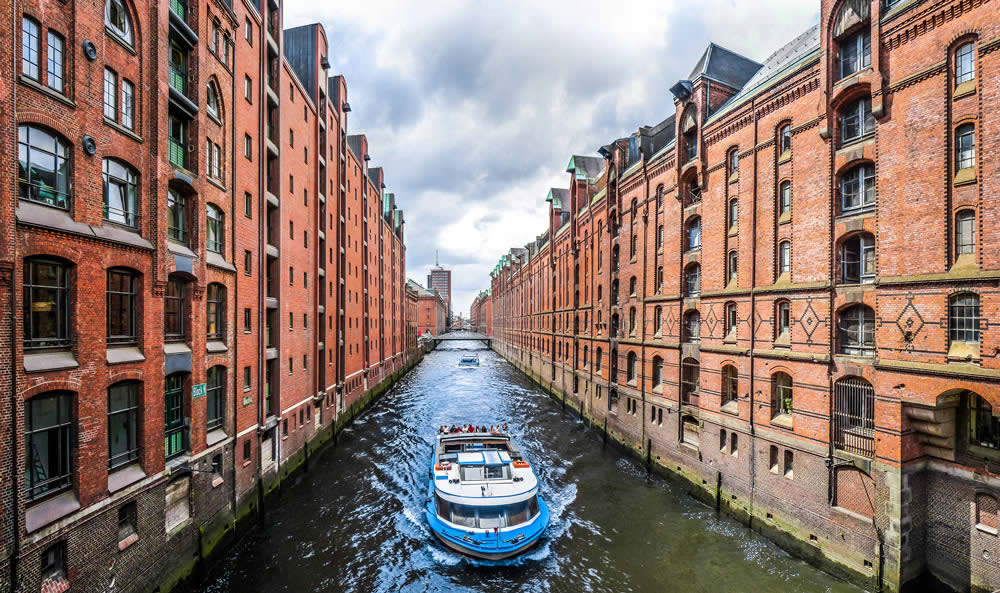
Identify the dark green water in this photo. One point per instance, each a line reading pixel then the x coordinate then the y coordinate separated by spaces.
pixel 355 521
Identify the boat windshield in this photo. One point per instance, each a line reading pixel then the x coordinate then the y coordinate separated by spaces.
pixel 488 517
pixel 478 473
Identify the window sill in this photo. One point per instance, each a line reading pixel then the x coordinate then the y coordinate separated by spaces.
pixel 782 420
pixel 50 510
pixel 180 249
pixel 732 232
pixel 176 348
pixel 128 541
pixel 120 128
pixel 963 352
pixel 785 218
pixel 217 481
pixel 215 182
pixel 123 354
pixel 120 41
pixel 731 407
pixel 965 89
pixel 966 176
pixel 734 177
pixel 47 91
pixel 215 437
pixel 785 157
pixel 784 340
pixel 215 346
pixel 41 362
pixel 986 529
pixel 124 476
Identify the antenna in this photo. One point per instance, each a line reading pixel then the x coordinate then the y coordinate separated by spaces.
pixel 436 262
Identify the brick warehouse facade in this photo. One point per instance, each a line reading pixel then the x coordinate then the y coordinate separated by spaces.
pixel 201 281
pixel 786 291
pixel 481 313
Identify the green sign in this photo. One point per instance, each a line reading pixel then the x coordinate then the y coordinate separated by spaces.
pixel 198 390
pixel 247 400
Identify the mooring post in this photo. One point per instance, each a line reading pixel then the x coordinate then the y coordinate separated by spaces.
pixel 718 492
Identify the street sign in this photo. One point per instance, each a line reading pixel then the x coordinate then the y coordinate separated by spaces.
pixel 198 390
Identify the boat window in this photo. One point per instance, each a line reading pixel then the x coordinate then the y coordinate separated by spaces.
pixel 494 472
pixel 517 513
pixel 490 517
pixel 472 473
pixel 463 515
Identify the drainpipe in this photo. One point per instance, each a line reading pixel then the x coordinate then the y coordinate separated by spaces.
pixel 262 271
pixel 15 552
pixel 236 284
pixel 648 446
pixel 753 308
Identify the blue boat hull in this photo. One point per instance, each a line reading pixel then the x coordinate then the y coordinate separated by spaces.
pixel 485 545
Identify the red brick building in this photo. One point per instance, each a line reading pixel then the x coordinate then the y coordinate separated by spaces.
pixel 180 244
pixel 481 314
pixel 432 312
pixel 785 291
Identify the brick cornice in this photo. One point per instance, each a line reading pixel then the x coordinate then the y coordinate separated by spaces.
pixel 926 21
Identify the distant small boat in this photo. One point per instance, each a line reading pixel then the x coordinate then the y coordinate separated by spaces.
pixel 469 360
pixel 483 496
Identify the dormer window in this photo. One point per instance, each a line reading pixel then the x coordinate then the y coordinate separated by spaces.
pixel 855 53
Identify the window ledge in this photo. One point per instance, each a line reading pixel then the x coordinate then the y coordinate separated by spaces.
pixel 785 218
pixel 214 346
pixel 128 541
pixel 121 477
pixel 180 249
pixel 215 436
pixel 963 352
pixel 46 90
pixel 734 177
pixel 50 510
pixel 217 481
pixel 731 407
pixel 123 354
pixel 176 348
pixel 986 529
pixel 785 157
pixel 965 89
pixel 732 232
pixel 40 362
pixel 215 182
pixel 782 420
pixel 965 176
pixel 119 127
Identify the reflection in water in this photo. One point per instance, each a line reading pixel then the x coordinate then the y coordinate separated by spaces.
pixel 354 522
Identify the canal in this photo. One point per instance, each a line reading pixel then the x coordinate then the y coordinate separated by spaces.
pixel 355 522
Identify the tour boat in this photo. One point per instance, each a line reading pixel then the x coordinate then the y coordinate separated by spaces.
pixel 469 360
pixel 483 496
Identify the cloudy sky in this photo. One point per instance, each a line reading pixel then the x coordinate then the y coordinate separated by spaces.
pixel 474 108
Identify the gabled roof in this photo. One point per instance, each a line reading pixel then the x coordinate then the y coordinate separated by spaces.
pixel 725 66
pixel 558 197
pixel 776 65
pixel 586 167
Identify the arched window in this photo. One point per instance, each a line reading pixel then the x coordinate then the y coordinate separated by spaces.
pixel 734 213
pixel 855 52
pixel 123 288
pixel 784 198
pixel 600 295
pixel 857 188
pixel 783 319
pixel 984 427
pixel 213 103
pixel 965 147
pixel 121 193
pixel 732 319
pixel 856 120
pixel 854 416
pixel 123 423
pixel 730 384
pixel 614 258
pixel 631 285
pixel 43 167
pixel 690 382
pixel 693 280
pixel 631 368
pixel 659 237
pixel 784 258
pixel 215 229
pixel 586 361
pixel 177 217
pixel 732 265
pixel 46 303
pixel 657 320
pixel 690 134
pixel 692 327
pixel 216 311
pixel 48 440
pixel 965 63
pixel 657 372
pixel 734 161
pixel 598 360
pixel 965 232
pixel 117 20
pixel 631 320
pixel 634 212
pixel 633 245
pixel 659 197
pixel 856 331
pixel 694 233
pixel 693 192
pixel 781 394
pixel 215 390
pixel 857 259
pixel 174 297
pixel 785 139
pixel 614 291
pixel 963 318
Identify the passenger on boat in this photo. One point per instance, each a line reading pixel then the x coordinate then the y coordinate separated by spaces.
pixel 505 427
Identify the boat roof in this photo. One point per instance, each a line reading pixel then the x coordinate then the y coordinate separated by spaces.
pixel 484 457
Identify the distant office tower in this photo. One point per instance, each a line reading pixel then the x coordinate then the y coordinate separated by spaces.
pixel 439 280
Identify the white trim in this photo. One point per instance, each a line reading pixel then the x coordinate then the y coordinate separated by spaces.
pixel 308 398
pixel 248 430
pixel 354 373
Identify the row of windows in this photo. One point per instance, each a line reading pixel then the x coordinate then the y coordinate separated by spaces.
pixel 47 306
pixel 50 428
